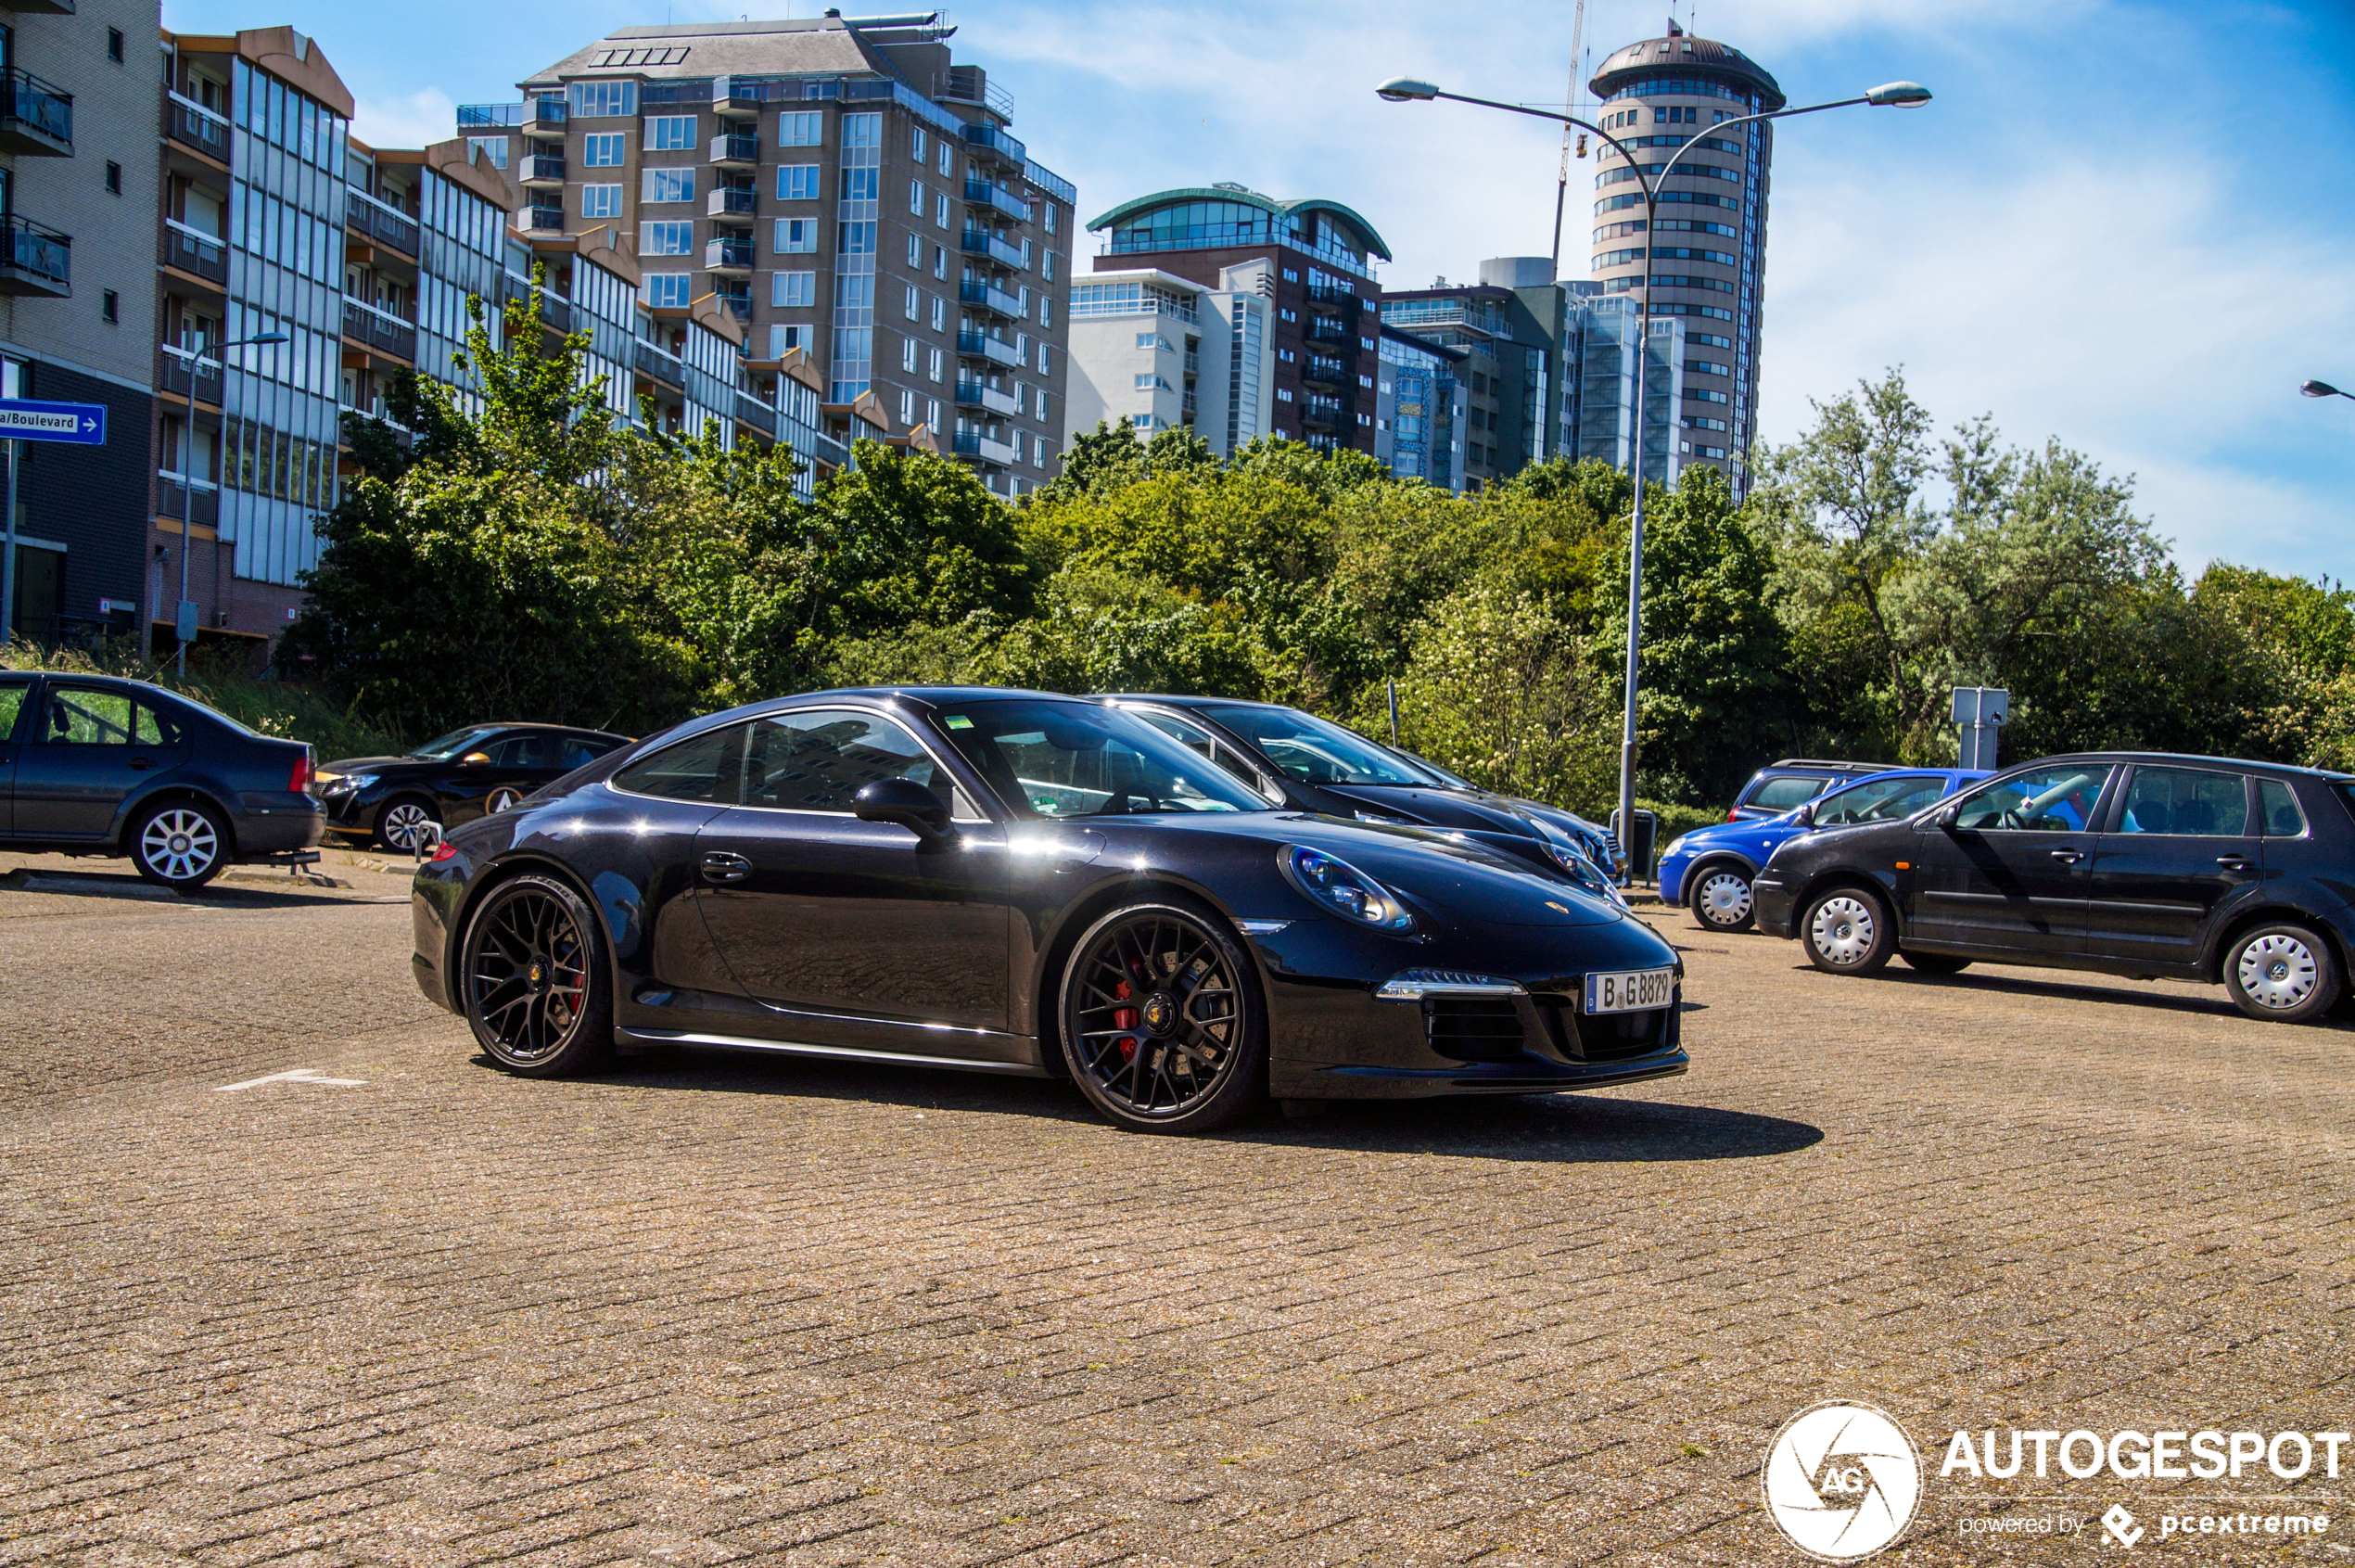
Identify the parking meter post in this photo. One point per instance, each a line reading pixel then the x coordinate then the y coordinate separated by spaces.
pixel 1979 712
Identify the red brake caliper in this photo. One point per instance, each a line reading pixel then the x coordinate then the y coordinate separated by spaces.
pixel 1125 1018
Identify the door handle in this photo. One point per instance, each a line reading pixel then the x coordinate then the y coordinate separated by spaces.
pixel 2069 857
pixel 2233 862
pixel 719 865
pixel 140 764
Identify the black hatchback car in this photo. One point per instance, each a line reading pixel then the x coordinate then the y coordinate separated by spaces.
pixel 452 779
pixel 2150 865
pixel 1312 764
pixel 98 765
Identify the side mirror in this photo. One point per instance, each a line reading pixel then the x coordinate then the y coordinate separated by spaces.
pixel 905 802
pixel 1948 815
pixel 475 760
pixel 1806 813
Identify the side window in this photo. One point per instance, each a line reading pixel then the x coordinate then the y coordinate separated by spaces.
pixel 1879 801
pixel 819 760
pixel 1200 741
pixel 579 751
pixel 151 726
pixel 2187 801
pixel 2044 800
pixel 705 768
pixel 524 751
pixel 12 695
pixel 1781 795
pixel 2276 803
pixel 79 715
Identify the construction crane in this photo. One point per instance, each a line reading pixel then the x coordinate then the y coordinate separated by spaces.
pixel 1569 103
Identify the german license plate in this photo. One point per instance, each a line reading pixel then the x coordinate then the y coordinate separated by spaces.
pixel 1630 991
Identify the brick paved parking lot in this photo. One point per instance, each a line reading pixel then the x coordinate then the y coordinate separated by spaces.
pixel 714 1309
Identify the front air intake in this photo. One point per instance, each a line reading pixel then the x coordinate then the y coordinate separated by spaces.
pixel 1473 1028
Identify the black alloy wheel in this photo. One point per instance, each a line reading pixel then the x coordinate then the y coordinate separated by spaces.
pixel 1720 898
pixel 402 819
pixel 1162 1025
pixel 181 845
pixel 534 981
pixel 1934 964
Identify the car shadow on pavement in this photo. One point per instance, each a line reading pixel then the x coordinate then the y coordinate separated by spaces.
pixel 1562 1128
pixel 131 887
pixel 2115 992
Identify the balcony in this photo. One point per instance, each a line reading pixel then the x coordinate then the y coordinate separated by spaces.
pixel 981 346
pixel 973 444
pixel 730 206
pixel 759 416
pixel 543 220
pixel 34 260
pixel 1321 370
pixel 380 331
pixel 388 225
pixel 555 312
pixel 990 143
pixel 1325 413
pixel 982 193
pixel 992 298
pixel 195 127
pixel 1193 362
pixel 660 365
pixel 540 169
pixel 735 151
pixel 192 250
pixel 1190 405
pixel 981 394
pixel 1334 294
pixel 35 117
pixel 544 116
pixel 728 256
pixel 1330 329
pixel 736 302
pixel 185 373
pixel 979 243
pixel 197 501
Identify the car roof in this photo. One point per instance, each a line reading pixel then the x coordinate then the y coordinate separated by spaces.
pixel 2191 759
pixel 1193 701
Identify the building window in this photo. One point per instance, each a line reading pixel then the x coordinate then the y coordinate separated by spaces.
pixel 1283 394
pixel 801 128
pixel 931 372
pixel 667 185
pixel 907 404
pixel 110 306
pixel 665 239
pixel 915 257
pixel 940 261
pixel 603 150
pixel 493 149
pixel 114 177
pixel 861 185
pixel 793 290
pixel 914 306
pixel 947 158
pixel 671 133
pixel 916 144
pixel 940 211
pixel 1047 210
pixel 783 340
pixel 601 201
pixel 1152 382
pixel 796 181
pixel 1046 265
pixel 1287 313
pixel 114 44
pixel 1046 311
pixel 668 288
pixel 1042 358
pixel 854 239
pixel 1286 355
pixel 600 101
pixel 908 358
pixel 1152 340
pixel 797 236
pixel 916 198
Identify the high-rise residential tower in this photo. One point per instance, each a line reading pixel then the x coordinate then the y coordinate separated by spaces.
pixel 837 186
pixel 1708 248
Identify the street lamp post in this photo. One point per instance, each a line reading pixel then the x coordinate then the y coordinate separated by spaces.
pixel 2322 389
pixel 188 482
pixel 1404 89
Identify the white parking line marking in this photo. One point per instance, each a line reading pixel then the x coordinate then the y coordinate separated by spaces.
pixel 292 1075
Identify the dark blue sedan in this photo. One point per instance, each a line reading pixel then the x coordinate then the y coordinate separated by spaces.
pixel 1710 869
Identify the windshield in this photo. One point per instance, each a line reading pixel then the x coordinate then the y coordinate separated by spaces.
pixel 1313 751
pixel 1879 800
pixel 457 742
pixel 1454 780
pixel 1062 759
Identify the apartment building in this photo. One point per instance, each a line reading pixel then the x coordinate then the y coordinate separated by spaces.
pixel 76 302
pixel 838 187
pixel 1422 404
pixel 1324 302
pixel 1163 351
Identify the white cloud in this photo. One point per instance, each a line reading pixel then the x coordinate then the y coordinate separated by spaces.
pixel 415 120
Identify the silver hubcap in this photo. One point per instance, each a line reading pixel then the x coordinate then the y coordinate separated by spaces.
pixel 400 825
pixel 178 845
pixel 2277 971
pixel 1843 929
pixel 1724 898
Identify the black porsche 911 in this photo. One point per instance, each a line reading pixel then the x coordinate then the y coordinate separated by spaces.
pixel 1018 883
pixel 472 772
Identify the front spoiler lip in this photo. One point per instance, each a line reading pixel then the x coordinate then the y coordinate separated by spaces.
pixel 1516 1078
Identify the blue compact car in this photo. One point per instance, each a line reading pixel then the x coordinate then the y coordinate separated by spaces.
pixel 1710 869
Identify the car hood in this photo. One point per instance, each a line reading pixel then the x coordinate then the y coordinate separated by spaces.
pixel 1459 881
pixel 1724 833
pixel 372 764
pixel 1439 807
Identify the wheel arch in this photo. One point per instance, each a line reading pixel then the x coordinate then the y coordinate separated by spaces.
pixel 505 869
pixel 2230 930
pixel 135 810
pixel 1083 911
pixel 1824 881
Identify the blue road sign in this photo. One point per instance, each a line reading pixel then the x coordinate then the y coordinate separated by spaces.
pixel 21 419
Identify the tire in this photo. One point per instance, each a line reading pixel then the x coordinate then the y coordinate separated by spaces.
pixel 398 819
pixel 1142 1067
pixel 1718 893
pixel 2283 973
pixel 181 845
pixel 1935 963
pixel 533 980
pixel 1847 930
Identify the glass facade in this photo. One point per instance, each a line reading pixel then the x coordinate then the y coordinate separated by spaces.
pixel 856 214
pixel 1219 225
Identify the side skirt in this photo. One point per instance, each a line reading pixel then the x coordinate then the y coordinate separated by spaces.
pixel 833 1052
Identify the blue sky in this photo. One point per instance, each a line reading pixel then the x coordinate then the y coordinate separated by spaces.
pixel 2124 226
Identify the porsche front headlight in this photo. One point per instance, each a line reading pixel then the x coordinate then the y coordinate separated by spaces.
pixel 1336 885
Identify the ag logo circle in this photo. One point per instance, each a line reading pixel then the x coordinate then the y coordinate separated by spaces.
pixel 1842 1480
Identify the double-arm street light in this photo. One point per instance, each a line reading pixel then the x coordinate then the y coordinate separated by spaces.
pixel 2324 389
pixel 188 485
pixel 1405 89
